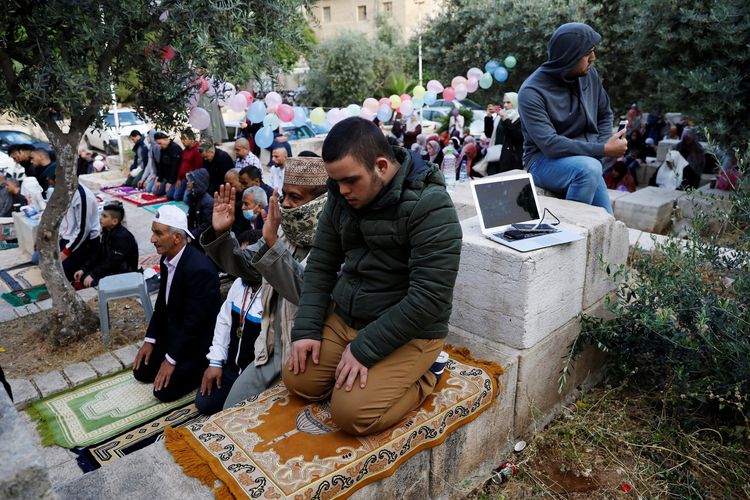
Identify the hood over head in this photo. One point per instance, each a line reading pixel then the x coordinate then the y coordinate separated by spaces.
pixel 200 179
pixel 568 44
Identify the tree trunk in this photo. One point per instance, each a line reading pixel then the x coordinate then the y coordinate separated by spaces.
pixel 72 318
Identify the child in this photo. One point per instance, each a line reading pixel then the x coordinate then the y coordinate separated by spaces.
pixel 118 250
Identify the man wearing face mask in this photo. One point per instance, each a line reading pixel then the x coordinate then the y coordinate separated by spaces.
pixel 254 206
pixel 278 257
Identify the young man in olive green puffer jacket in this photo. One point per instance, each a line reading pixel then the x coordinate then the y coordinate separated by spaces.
pixel 378 284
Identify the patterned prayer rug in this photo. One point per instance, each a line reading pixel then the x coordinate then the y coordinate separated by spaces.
pixel 279 446
pixel 112 450
pixel 153 208
pixel 20 278
pixel 134 195
pixel 99 410
pixel 18 298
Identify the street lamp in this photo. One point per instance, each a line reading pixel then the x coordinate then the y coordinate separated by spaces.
pixel 419 44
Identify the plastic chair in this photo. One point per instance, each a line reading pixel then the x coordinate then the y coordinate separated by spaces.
pixel 120 286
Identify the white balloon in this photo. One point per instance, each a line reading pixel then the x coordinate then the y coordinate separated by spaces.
pixel 199 118
pixel 238 103
pixel 461 91
pixel 273 99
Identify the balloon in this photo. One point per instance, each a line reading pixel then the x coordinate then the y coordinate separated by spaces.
pixel 405 97
pixel 300 117
pixel 406 108
pixel 430 97
pixel 273 99
pixel 199 118
pixel 384 100
pixel 435 86
pixel 248 97
pixel 501 74
pixel 384 113
pixel 461 91
pixel 335 115
pixel 353 109
pixel 317 116
pixel 395 101
pixel 474 73
pixel 510 62
pixel 257 112
pixel 472 85
pixel 371 104
pixel 264 137
pixel 285 112
pixel 366 113
pixel 238 103
pixel 491 66
pixel 458 80
pixel 449 94
pixel 418 91
pixel 271 121
pixel 417 102
pixel 486 81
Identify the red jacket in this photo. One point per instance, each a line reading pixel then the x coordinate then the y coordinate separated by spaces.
pixel 191 159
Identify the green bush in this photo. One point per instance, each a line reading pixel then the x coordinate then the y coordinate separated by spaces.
pixel 681 321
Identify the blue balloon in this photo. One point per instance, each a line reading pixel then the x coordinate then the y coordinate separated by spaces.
pixel 491 66
pixel 257 112
pixel 384 113
pixel 300 117
pixel 501 74
pixel 264 137
pixel 417 102
pixel 430 97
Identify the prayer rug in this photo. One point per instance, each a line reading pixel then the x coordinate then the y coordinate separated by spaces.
pixel 112 450
pixel 20 278
pixel 153 208
pixel 18 298
pixel 99 410
pixel 278 446
pixel 142 198
pixel 7 245
pixel 120 191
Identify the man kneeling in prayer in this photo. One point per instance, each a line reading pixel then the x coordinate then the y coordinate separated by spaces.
pixel 173 355
pixel 279 257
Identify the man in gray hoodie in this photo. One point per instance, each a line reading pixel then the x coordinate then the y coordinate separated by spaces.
pixel 567 121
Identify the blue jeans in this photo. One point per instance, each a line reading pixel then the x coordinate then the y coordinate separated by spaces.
pixel 580 176
pixel 150 188
pixel 177 191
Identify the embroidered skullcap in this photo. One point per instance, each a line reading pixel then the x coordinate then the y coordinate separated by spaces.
pixel 305 171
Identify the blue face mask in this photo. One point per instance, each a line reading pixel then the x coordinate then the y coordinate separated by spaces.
pixel 249 215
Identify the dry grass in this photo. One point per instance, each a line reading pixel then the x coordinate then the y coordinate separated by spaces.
pixel 615 436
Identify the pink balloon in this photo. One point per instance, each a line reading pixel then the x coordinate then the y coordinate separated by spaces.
pixel 248 96
pixel 474 73
pixel 285 112
pixel 405 97
pixel 366 113
pixel 203 85
pixel 406 108
pixel 435 86
pixel 273 99
pixel 449 94
pixel 199 118
pixel 238 103
pixel 384 100
pixel 458 80
pixel 461 91
pixel 271 108
pixel 472 85
pixel 371 104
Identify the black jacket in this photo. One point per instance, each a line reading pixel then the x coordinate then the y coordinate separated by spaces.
pixel 510 135
pixel 118 253
pixel 186 323
pixel 169 163
pixel 217 168
pixel 200 211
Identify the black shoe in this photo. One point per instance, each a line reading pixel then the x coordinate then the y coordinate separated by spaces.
pixel 438 367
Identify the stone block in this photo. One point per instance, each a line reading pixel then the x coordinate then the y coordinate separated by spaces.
pixel 649 209
pixel 23 473
pixel 615 194
pixel 24 392
pixel 469 454
pixel 648 241
pixel 463 200
pixel 712 203
pixel 607 243
pixel 539 370
pixel 106 364
pixel 51 383
pixel 79 373
pixel 411 480
pixel 517 298
pixel 126 354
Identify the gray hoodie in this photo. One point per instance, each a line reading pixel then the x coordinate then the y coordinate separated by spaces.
pixel 561 116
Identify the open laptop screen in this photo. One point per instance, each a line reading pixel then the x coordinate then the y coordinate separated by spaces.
pixel 506 202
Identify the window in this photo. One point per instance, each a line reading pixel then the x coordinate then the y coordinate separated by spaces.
pixel 388 9
pixel 362 13
pixel 326 14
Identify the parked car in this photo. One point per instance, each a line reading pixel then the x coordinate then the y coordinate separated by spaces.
pixel 105 138
pixel 437 114
pixel 293 132
pixel 11 137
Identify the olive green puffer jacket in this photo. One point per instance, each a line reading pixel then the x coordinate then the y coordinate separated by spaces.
pixel 400 258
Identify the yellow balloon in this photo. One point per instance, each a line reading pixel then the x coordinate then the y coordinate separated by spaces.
pixel 395 101
pixel 419 92
pixel 317 116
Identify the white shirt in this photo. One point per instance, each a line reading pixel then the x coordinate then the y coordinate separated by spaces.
pixel 171 265
pixel 32 191
pixel 276 180
pixel 78 225
pixel 249 161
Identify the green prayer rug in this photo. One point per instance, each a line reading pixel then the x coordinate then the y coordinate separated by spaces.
pixel 99 410
pixel 18 298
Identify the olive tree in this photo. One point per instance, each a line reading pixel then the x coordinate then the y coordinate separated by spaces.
pixel 67 55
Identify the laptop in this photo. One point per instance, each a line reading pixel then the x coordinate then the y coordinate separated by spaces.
pixel 505 200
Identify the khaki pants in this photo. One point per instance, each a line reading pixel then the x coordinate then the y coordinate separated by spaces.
pixel 396 384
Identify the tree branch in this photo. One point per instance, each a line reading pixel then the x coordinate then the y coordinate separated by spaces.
pixel 6 65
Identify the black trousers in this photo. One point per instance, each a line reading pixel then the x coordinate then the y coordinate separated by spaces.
pixel 79 256
pixel 215 402
pixel 186 377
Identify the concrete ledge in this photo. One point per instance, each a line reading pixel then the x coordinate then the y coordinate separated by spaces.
pixel 649 209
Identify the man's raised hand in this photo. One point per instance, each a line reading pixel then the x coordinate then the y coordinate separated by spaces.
pixel 300 348
pixel 616 146
pixel 223 216
pixel 272 220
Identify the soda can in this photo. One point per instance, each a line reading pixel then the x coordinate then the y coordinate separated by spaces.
pixel 503 472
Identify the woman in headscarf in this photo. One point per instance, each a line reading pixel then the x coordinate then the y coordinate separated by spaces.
pixel 413 129
pixel 620 178
pixel 468 155
pixel 435 152
pixel 504 128
pixel 422 143
pixel 455 123
pixel 695 155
